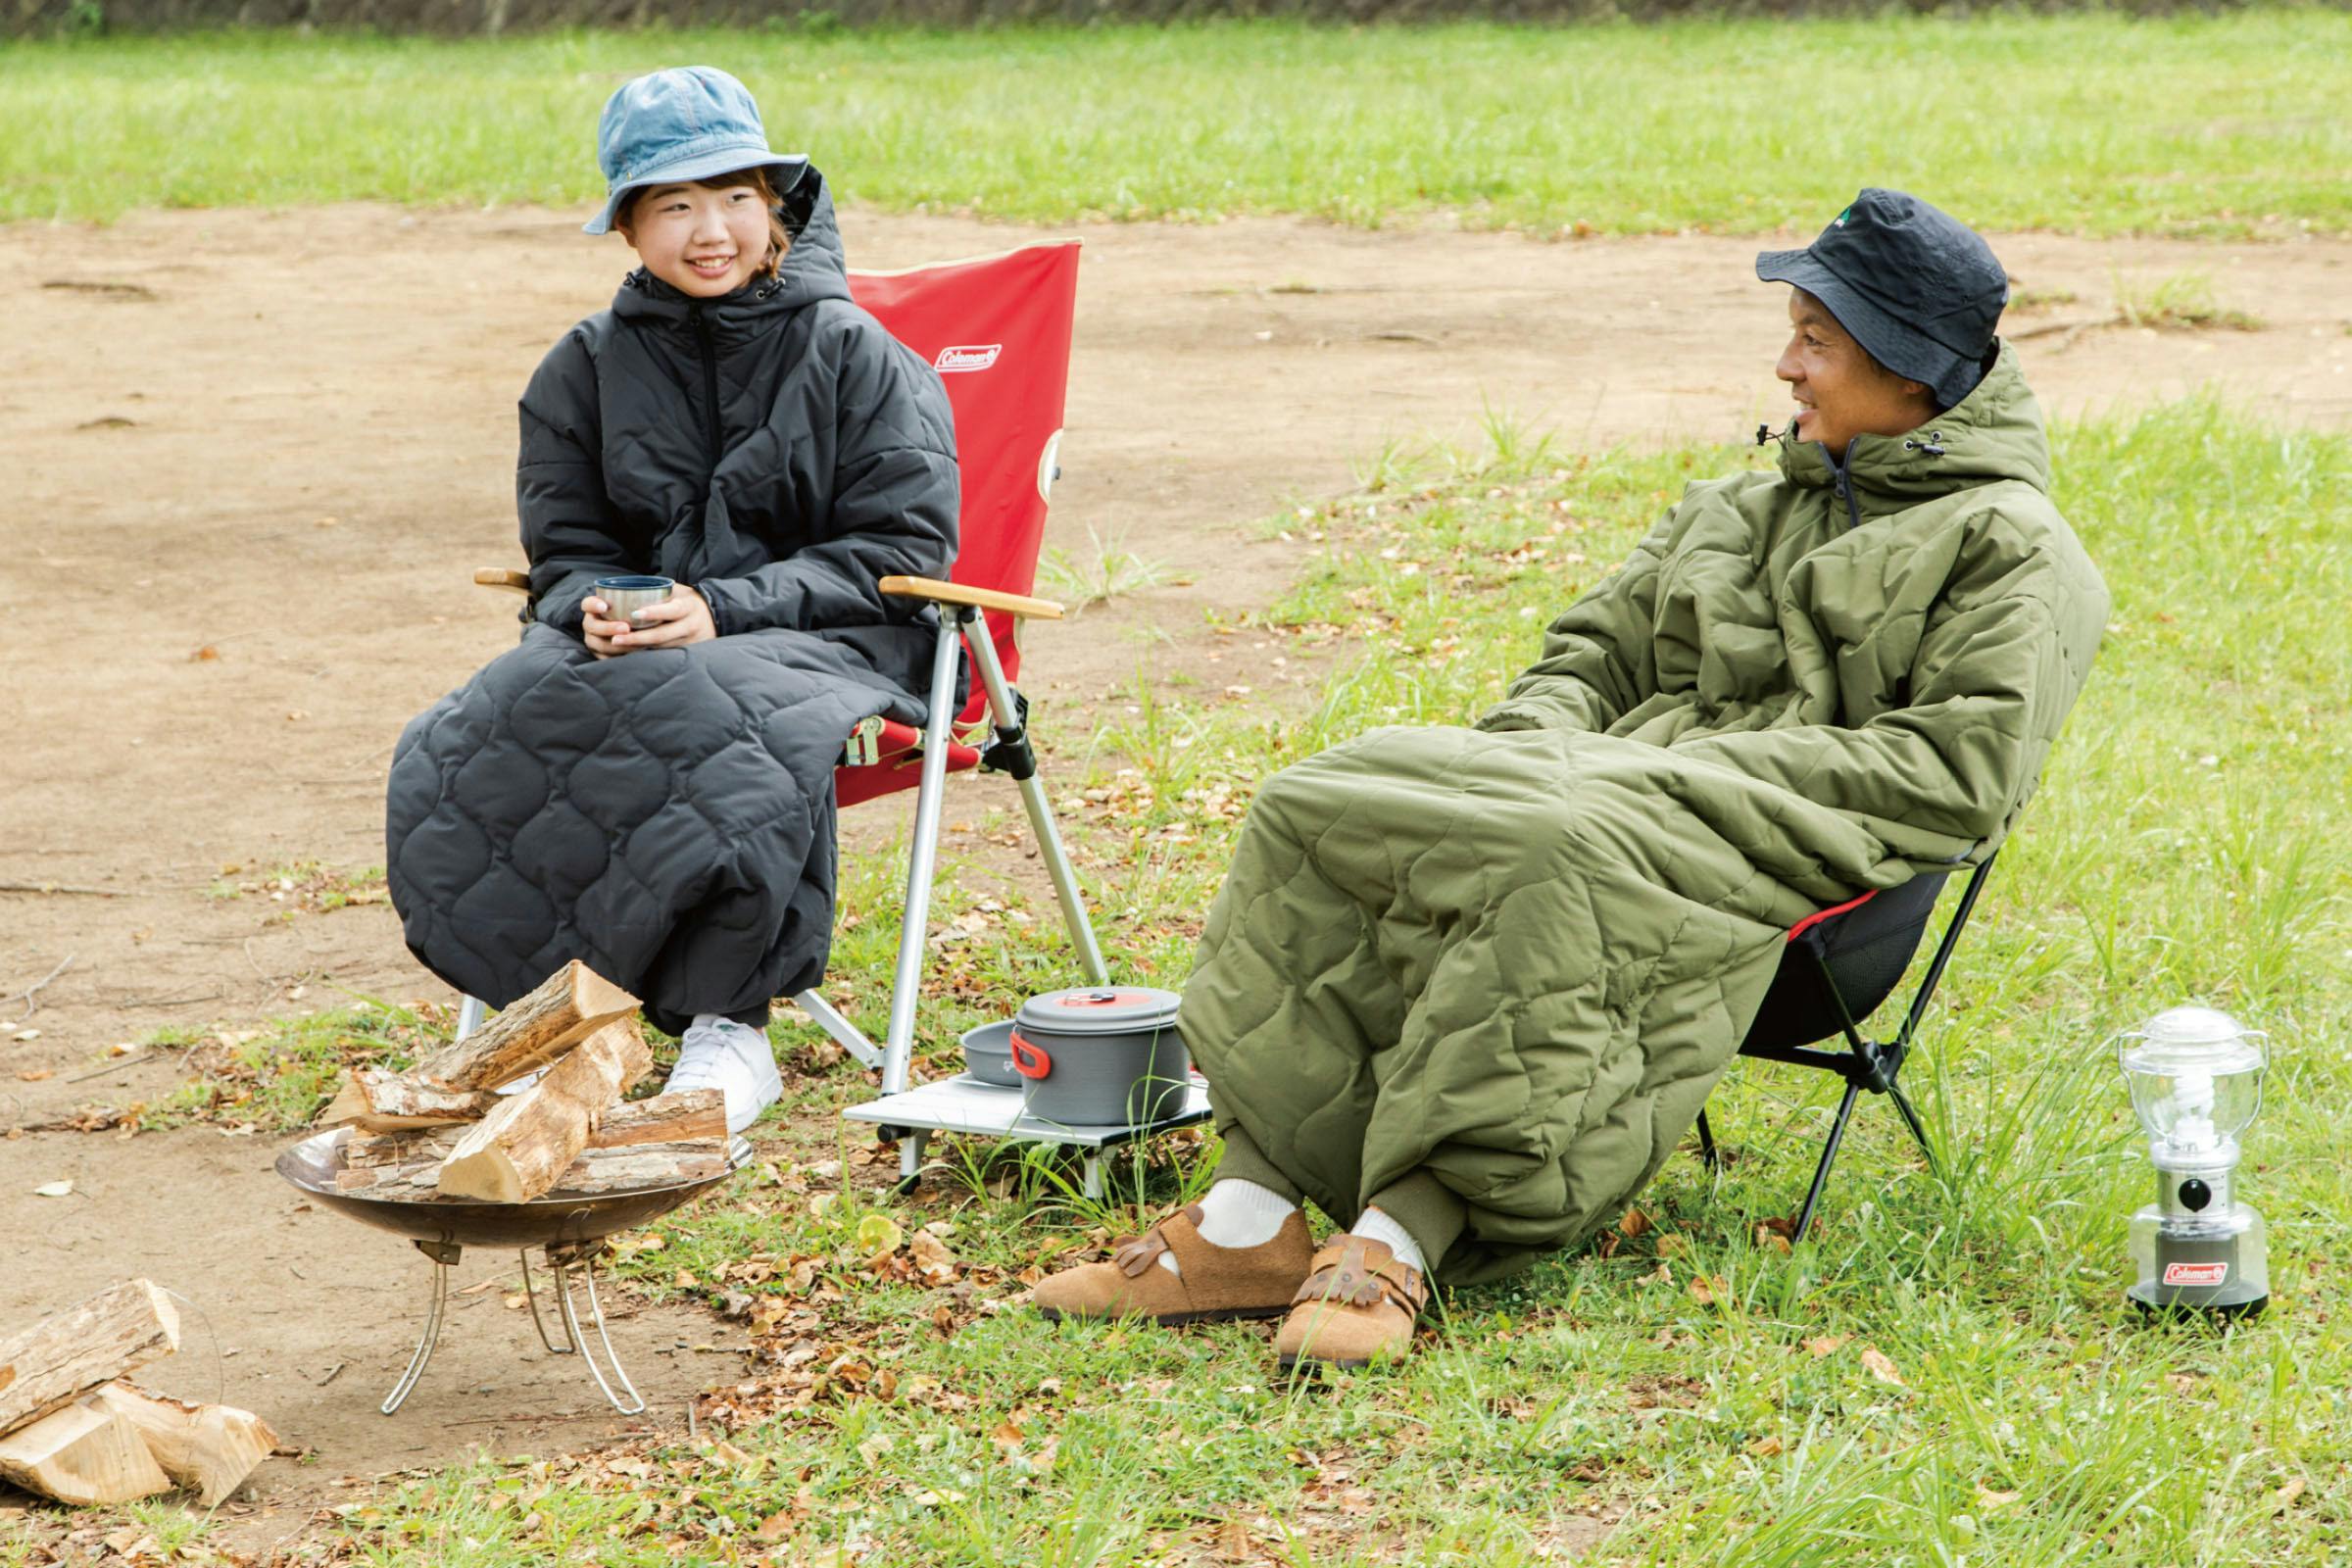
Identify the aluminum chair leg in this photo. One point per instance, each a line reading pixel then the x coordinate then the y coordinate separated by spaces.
pixel 846 1034
pixel 471 1013
pixel 1007 714
pixel 898 1049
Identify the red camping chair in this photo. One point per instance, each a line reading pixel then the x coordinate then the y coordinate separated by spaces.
pixel 1837 968
pixel 998 330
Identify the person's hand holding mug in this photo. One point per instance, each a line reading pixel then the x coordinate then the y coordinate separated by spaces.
pixel 662 614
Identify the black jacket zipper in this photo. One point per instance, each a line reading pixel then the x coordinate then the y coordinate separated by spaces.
pixel 702 330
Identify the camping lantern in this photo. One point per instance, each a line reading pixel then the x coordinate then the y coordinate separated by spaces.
pixel 2196 1083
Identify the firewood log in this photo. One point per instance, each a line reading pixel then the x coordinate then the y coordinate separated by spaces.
pixel 84 1454
pixel 208 1448
pixel 521 1149
pixel 572 1003
pixel 378 1100
pixel 691 1116
pixel 47 1365
pixel 640 1166
pixel 680 1118
pixel 625 1167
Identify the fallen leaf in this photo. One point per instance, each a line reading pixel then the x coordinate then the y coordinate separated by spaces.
pixel 52 1190
pixel 878 1234
pixel 1772 1241
pixel 932 1260
pixel 2285 1496
pixel 1633 1224
pixel 34 1075
pixel 1878 1366
pixel 1706 1289
pixel 1663 1275
pixel 1826 1344
pixel 204 655
pixel 1988 1499
pixel 1765 1447
pixel 1672 1244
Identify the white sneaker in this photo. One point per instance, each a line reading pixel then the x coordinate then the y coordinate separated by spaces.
pixel 733 1059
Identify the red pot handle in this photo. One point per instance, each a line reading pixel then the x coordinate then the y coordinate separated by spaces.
pixel 1029 1059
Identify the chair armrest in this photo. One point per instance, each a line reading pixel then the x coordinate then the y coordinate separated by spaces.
pixel 506 577
pixel 949 593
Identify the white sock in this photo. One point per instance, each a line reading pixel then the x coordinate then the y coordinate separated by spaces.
pixel 1238 1213
pixel 1374 1226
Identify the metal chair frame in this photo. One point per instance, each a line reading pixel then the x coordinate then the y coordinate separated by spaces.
pixel 1866 1065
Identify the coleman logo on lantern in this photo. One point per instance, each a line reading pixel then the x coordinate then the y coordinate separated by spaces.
pixel 2196 1084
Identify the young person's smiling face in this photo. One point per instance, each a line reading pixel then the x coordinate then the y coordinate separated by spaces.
pixel 1840 391
pixel 701 240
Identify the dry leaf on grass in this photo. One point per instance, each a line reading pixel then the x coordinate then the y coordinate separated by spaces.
pixel 1633 1224
pixel 1826 1344
pixel 1766 1448
pixel 1663 1274
pixel 1988 1499
pixel 2285 1498
pixel 932 1260
pixel 1706 1290
pixel 1878 1366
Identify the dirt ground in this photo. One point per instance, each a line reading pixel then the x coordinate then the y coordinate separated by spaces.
pixel 252 458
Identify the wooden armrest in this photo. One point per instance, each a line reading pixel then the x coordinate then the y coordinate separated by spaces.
pixel 949 593
pixel 503 577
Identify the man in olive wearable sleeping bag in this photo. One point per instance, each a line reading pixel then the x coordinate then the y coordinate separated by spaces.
pixel 1465 989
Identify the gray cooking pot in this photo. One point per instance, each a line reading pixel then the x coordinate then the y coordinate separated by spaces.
pixel 1100 1056
pixel 988 1055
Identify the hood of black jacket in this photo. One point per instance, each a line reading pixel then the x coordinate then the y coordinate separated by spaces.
pixel 813 269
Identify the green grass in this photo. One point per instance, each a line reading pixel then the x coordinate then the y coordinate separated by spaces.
pixel 2094 123
pixel 1697 1393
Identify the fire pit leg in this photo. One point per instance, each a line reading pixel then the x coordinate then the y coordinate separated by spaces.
pixel 445 1258
pixel 531 1295
pixel 561 1267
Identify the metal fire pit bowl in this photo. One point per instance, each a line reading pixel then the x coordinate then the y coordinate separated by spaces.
pixel 568 1231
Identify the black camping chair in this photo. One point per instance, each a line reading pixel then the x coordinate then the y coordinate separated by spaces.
pixel 1837 968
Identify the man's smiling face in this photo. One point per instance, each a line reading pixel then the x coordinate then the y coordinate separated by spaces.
pixel 1840 391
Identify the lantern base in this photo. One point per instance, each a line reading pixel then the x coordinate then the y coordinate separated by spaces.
pixel 2155 1301
pixel 2214 1263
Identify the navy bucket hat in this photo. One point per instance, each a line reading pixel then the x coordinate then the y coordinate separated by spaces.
pixel 1920 291
pixel 686 124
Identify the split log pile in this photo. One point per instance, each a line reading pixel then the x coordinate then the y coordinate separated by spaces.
pixel 439 1130
pixel 72 1431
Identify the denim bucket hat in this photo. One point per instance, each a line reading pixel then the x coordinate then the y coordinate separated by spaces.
pixel 1920 291
pixel 685 124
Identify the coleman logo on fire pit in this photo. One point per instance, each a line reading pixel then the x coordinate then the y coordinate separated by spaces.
pixel 967 356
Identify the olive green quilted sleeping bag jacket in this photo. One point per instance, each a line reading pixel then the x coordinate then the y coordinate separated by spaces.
pixel 1515 958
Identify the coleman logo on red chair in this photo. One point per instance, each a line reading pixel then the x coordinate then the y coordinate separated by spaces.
pixel 967 356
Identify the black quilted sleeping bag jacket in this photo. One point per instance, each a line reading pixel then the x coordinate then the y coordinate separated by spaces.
pixel 666 815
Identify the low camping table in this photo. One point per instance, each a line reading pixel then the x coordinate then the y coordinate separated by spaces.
pixel 964 1105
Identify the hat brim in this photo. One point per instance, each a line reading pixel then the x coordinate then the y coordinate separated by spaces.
pixel 1889 339
pixel 701 166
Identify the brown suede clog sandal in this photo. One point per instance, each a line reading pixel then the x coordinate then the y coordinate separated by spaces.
pixel 1359 1304
pixel 1217 1283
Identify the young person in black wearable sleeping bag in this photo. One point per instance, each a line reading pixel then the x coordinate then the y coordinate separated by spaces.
pixel 654 797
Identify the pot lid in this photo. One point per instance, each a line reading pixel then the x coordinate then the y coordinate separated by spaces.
pixel 2192 1040
pixel 1099 1010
